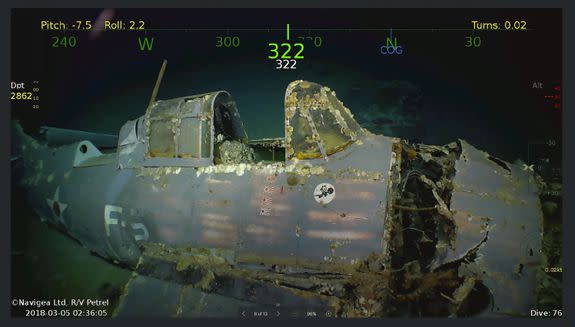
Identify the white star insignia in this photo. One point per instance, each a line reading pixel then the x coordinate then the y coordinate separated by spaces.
pixel 56 207
pixel 527 167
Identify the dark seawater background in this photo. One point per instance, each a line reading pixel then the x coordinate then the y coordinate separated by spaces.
pixel 436 92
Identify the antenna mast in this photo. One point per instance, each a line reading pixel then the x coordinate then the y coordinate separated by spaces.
pixel 158 82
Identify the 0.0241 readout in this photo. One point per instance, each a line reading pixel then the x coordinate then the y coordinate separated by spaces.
pixel 282 53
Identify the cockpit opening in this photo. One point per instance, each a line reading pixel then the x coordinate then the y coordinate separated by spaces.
pixel 206 129
pixel 231 142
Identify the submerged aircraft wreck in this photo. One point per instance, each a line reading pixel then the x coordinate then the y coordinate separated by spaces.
pixel 330 216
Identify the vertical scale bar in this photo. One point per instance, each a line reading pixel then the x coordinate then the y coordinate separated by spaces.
pixel 287 30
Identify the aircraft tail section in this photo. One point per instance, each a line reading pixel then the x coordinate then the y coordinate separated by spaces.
pixel 20 141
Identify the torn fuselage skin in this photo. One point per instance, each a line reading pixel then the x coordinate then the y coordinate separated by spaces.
pixel 394 230
pixel 404 279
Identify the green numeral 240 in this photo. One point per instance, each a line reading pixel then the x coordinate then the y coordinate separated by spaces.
pixel 285 55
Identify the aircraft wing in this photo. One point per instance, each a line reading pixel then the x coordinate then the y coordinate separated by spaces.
pixel 60 136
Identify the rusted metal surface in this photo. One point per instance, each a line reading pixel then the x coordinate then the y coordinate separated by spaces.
pixel 268 142
pixel 317 124
pixel 195 272
pixel 496 206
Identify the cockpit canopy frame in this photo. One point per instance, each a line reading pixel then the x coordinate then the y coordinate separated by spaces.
pixel 317 124
pixel 180 131
pixel 183 131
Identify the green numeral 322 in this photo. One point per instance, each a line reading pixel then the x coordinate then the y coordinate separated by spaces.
pixel 286 48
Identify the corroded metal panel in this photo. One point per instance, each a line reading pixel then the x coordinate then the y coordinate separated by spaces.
pixel 497 203
pixel 150 297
